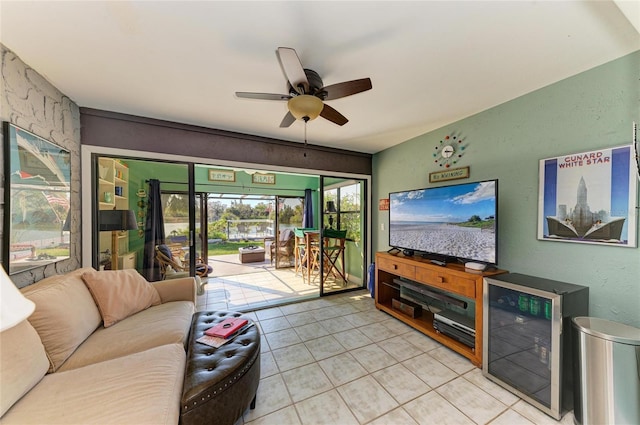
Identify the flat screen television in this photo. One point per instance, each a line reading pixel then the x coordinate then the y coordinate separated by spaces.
pixel 447 223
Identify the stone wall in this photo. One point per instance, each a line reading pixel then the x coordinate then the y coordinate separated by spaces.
pixel 29 101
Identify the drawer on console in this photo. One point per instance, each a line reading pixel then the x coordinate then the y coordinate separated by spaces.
pixel 447 281
pixel 400 269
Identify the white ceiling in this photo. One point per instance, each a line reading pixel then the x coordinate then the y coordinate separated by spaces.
pixel 431 62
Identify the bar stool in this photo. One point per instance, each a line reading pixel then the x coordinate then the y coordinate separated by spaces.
pixel 333 247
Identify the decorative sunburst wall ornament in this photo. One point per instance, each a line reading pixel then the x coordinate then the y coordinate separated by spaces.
pixel 449 151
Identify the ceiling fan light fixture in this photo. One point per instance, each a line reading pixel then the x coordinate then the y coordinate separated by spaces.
pixel 305 106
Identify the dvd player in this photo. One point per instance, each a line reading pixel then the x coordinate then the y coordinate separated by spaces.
pixel 457 326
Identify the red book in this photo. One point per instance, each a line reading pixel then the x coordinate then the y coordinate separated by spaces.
pixel 227 327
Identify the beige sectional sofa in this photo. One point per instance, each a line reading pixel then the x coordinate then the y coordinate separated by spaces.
pixel 63 366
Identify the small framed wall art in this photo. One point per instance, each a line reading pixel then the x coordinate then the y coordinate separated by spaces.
pixel 263 178
pixel 450 174
pixel 222 175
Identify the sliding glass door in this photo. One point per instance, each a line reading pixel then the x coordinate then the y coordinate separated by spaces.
pixel 203 204
pixel 140 204
pixel 344 215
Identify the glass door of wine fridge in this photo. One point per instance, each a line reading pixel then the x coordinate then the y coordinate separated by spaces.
pixel 519 351
pixel 524 343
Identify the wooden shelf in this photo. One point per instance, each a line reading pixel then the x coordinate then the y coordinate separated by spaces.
pixel 451 279
pixel 113 174
pixel 391 285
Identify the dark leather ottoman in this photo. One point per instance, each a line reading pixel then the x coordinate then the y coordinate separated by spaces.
pixel 219 383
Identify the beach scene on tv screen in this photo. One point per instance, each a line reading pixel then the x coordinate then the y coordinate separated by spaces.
pixel 456 220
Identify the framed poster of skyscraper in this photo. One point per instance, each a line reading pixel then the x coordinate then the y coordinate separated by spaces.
pixel 589 197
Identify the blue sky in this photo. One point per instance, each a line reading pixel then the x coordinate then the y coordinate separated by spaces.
pixel 444 204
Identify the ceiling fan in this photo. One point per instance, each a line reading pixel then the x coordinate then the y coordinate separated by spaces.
pixel 307 93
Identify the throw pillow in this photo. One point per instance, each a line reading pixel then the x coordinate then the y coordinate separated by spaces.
pixel 165 251
pixel 120 293
pixel 66 314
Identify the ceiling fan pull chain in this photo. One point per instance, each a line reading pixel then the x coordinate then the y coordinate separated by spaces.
pixel 305 137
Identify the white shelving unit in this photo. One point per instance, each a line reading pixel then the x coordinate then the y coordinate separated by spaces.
pixel 113 192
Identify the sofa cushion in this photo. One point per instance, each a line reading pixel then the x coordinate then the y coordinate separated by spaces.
pixel 143 388
pixel 65 314
pixel 163 324
pixel 23 363
pixel 120 293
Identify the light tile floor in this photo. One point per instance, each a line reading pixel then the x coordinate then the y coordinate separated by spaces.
pixel 251 286
pixel 338 360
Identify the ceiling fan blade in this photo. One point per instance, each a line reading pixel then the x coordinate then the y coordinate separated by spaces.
pixel 336 91
pixel 287 120
pixel 263 96
pixel 293 70
pixel 332 115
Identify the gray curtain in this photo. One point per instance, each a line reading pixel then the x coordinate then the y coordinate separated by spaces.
pixel 307 210
pixel 153 232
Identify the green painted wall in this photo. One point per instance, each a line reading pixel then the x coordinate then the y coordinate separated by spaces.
pixel 286 184
pixel 589 111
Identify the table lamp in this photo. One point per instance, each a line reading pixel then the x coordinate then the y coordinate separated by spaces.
pixel 14 307
pixel 115 221
pixel 331 209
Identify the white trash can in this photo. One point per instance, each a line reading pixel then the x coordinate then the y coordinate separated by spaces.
pixel 606 372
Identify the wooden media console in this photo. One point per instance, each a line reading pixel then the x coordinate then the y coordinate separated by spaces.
pixel 451 279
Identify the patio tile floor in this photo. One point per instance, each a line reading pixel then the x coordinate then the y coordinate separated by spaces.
pixel 251 286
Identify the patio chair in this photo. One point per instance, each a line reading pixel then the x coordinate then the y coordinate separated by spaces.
pixel 332 245
pixel 241 231
pixel 283 248
pixel 171 267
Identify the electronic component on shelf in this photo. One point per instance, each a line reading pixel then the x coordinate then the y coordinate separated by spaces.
pixel 457 326
pixel 407 307
pixel 475 266
pixel 423 290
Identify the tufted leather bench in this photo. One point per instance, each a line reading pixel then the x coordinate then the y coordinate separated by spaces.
pixel 219 383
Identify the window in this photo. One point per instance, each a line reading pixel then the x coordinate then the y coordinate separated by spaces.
pixel 347 202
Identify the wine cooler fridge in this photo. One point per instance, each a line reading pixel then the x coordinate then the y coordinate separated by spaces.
pixel 527 337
